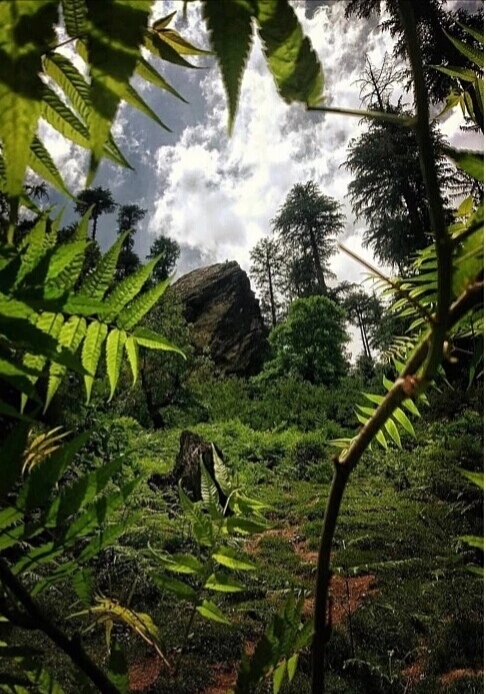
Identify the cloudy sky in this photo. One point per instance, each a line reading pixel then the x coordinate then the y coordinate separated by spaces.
pixel 215 194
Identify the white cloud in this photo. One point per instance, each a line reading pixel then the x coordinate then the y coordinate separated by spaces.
pixel 220 193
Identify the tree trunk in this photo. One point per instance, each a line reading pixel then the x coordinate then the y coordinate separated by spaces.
pixel 152 409
pixel 270 289
pixel 364 339
pixel 95 223
pixel 317 262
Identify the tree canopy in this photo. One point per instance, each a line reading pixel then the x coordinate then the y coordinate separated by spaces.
pixel 310 343
pixel 388 191
pixel 307 225
pixel 100 199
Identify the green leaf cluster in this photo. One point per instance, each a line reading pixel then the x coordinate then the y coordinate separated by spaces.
pixel 290 57
pixel 277 652
pixel 215 528
pixel 49 327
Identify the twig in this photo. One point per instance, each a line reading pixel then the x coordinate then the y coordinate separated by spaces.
pixel 392 283
pixel 71 647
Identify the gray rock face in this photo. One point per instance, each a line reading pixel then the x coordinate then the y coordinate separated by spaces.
pixel 225 315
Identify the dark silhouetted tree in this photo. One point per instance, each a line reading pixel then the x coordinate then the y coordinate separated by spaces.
pixel 433 20
pixel 102 201
pixel 388 191
pixel 267 271
pixel 128 218
pixel 170 251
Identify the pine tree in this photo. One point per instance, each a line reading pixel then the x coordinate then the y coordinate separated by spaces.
pixel 307 225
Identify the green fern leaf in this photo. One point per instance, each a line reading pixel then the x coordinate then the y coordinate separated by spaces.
pixel 62 119
pixel 470 162
pixel 73 84
pixel 69 275
pixel 290 56
pixel 230 28
pixel 221 472
pixel 377 399
pixel 51 324
pixel 117 30
pixel 98 281
pixel 369 411
pixel 114 153
pixel 80 493
pixel 128 94
pixel 470 52
pixel 402 419
pixel 35 247
pixel 209 491
pixel 71 335
pixel 20 84
pixel 40 161
pixel 380 437
pixel 126 290
pixel 125 92
pixel 163 22
pixel 139 307
pixel 209 610
pixel 75 17
pixel 70 80
pixel 182 590
pixel 148 338
pixel 174 39
pixel 62 258
pixel 131 348
pixel 475 33
pixel 96 514
pixel 461 73
pixel 42 481
pixel 223 584
pixel 82 228
pixel 153 43
pixel 392 430
pixel 93 343
pixel 147 72
pixel 114 352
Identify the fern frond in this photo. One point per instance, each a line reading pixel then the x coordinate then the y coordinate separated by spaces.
pixel 111 64
pixel 92 346
pixel 230 28
pixel 70 337
pixel 41 447
pixel 114 353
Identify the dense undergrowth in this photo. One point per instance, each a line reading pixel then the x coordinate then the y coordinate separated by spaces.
pixel 407 607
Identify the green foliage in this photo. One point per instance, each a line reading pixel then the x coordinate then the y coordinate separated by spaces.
pixel 215 528
pixel 307 225
pixel 277 652
pixel 309 344
pixel 290 57
pixel 388 191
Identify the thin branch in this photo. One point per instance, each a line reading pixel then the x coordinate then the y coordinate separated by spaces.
pixel 71 647
pixel 392 283
pixel 405 121
pixel 404 387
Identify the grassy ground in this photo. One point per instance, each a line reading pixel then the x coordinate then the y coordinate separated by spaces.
pixel 407 611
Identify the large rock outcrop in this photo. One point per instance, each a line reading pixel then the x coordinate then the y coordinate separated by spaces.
pixel 225 316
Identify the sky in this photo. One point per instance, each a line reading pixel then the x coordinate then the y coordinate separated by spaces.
pixel 216 195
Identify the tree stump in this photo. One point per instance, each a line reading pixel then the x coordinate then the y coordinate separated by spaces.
pixel 187 469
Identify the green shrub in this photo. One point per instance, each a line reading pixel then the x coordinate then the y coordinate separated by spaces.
pixel 307 453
